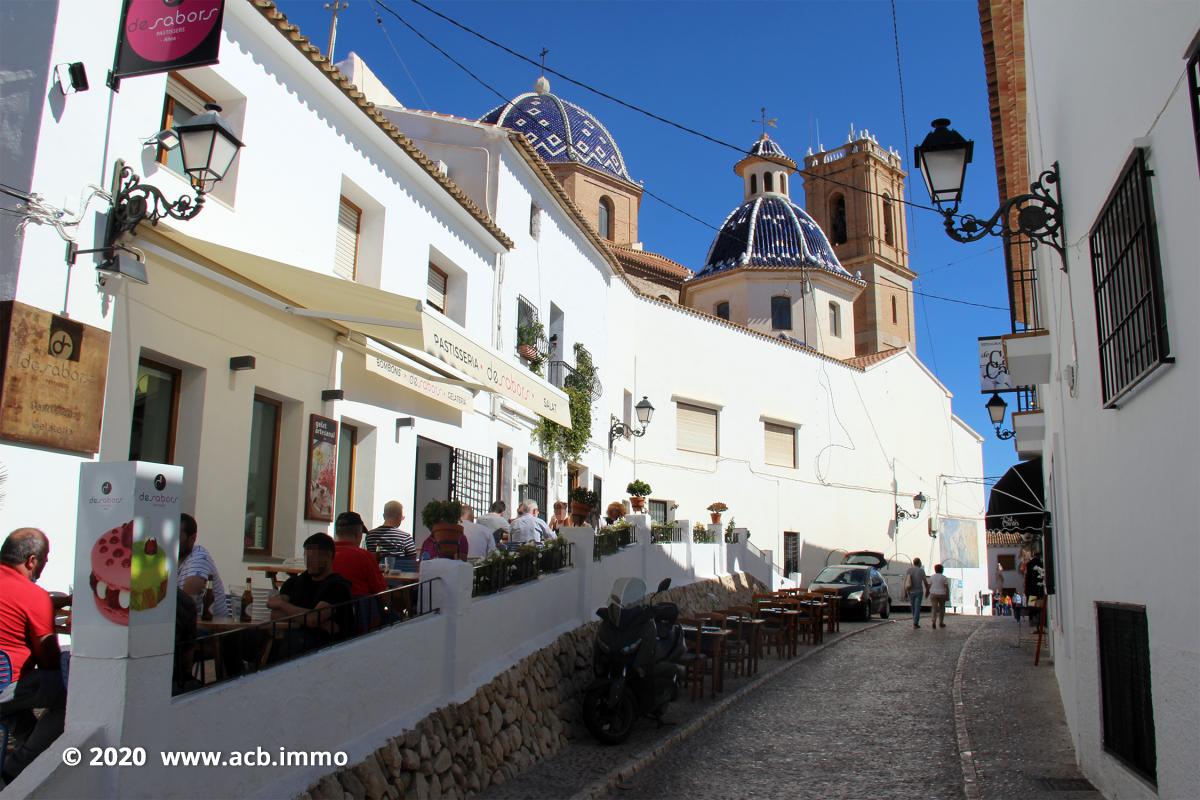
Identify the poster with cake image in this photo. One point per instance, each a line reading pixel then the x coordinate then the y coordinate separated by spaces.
pixel 322 468
pixel 126 556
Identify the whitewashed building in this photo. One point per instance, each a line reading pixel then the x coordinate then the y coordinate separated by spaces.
pixel 374 266
pixel 1107 93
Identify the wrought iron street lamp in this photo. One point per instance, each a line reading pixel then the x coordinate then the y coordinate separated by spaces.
pixel 645 412
pixel 208 147
pixel 943 157
pixel 918 504
pixel 996 408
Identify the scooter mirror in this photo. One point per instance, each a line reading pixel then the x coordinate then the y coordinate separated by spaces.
pixel 666 584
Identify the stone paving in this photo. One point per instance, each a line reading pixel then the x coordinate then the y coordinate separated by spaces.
pixel 867 715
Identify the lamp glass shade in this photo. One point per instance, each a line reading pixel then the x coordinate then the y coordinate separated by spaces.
pixel 919 501
pixel 644 411
pixel 942 158
pixel 208 146
pixel 996 408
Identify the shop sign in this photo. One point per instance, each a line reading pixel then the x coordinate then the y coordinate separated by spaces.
pixel 993 369
pixel 54 370
pixel 446 393
pixel 166 35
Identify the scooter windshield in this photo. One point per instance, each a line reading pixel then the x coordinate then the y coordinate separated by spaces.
pixel 627 593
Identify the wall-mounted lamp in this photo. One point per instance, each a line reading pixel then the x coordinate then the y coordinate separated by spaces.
pixel 329 395
pixel 918 504
pixel 996 408
pixel 240 363
pixel 119 261
pixel 645 412
pixel 71 76
pixel 943 157
pixel 404 422
pixel 167 139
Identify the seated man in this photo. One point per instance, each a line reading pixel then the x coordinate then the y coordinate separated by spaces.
pixel 195 566
pixel 317 590
pixel 359 567
pixel 388 539
pixel 480 538
pixel 496 521
pixel 528 527
pixel 27 638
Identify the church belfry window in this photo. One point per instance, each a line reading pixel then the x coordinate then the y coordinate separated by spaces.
pixel 837 219
pixel 835 320
pixel 783 182
pixel 605 225
pixel 722 309
pixel 753 184
pixel 895 315
pixel 781 313
pixel 889 235
pixel 768 182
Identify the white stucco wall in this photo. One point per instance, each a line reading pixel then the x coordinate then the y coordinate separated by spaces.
pixel 1126 480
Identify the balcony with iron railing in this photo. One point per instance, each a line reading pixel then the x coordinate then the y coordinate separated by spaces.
pixel 1027 350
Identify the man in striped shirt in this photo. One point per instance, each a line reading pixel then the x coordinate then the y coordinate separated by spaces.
pixel 388 538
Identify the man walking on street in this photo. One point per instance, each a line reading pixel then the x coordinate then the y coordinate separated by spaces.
pixel 915 586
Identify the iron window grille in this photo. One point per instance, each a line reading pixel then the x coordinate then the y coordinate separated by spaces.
pixel 527 313
pixel 1131 323
pixel 791 552
pixel 1125 695
pixel 1024 314
pixel 538 483
pixel 471 479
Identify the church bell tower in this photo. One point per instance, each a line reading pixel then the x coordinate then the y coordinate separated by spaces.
pixel 854 192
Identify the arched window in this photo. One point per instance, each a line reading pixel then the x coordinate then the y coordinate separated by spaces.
pixel 783 182
pixel 895 316
pixel 722 309
pixel 781 313
pixel 768 182
pixel 753 184
pixel 835 320
pixel 605 225
pixel 889 235
pixel 837 219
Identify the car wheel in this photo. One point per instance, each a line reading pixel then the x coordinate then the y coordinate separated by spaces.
pixel 867 610
pixel 886 611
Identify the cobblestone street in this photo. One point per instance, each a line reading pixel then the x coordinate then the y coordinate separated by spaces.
pixel 870 716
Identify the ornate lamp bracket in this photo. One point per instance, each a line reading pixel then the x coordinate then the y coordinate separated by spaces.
pixel 135 202
pixel 1038 217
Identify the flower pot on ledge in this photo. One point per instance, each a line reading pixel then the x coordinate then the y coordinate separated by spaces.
pixel 527 352
pixel 637 503
pixel 716 517
pixel 446 535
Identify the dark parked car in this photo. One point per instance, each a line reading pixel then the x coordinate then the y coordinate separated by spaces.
pixel 861 588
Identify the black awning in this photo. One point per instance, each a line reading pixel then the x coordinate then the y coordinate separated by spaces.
pixel 1017 502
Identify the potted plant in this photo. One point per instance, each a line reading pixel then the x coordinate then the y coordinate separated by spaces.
pixel 716 509
pixel 529 338
pixel 582 502
pixel 638 492
pixel 442 518
pixel 700 534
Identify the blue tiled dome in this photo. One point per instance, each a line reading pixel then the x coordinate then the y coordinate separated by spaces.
pixel 771 231
pixel 560 131
pixel 767 147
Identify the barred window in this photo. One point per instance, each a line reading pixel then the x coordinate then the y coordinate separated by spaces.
pixel 1131 322
pixel 1126 701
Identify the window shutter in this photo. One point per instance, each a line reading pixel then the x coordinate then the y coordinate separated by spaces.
pixel 780 445
pixel 436 293
pixel 345 257
pixel 186 95
pixel 696 429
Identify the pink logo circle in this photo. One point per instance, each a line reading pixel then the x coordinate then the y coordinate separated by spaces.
pixel 164 30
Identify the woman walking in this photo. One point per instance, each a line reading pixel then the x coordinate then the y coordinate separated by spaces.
pixel 939 594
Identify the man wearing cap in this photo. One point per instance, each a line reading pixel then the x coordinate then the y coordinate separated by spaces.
pixel 317 589
pixel 352 562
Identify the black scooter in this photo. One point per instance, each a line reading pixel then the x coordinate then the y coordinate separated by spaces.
pixel 636 659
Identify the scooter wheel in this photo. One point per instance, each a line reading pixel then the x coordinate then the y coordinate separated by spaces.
pixel 609 725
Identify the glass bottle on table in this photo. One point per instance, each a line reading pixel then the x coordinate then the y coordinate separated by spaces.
pixel 247 601
pixel 207 613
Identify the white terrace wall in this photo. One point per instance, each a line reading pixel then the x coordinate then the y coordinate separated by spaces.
pixel 354 696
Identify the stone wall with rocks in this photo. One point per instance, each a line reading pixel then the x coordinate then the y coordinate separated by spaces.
pixel 525 714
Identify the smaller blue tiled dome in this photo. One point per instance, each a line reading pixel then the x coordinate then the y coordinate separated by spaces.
pixel 560 131
pixel 767 147
pixel 771 231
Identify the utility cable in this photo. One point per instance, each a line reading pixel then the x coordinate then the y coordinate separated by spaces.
pixel 391 44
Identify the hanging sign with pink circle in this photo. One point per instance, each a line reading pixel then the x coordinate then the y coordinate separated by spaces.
pixel 165 35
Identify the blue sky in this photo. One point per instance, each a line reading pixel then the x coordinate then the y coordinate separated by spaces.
pixel 816 66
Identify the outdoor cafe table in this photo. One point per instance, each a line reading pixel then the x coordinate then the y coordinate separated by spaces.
pixel 717 637
pixel 791 622
pixel 225 624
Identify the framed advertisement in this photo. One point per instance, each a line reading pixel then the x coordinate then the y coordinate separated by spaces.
pixel 165 35
pixel 993 369
pixel 321 480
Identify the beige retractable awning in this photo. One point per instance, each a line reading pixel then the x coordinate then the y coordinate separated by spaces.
pixel 387 317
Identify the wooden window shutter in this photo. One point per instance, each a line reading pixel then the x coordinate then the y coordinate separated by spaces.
pixel 345 257
pixel 696 429
pixel 436 292
pixel 780 445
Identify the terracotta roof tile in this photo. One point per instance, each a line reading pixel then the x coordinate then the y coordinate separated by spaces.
pixel 652 261
pixel 276 17
pixel 862 362
pixel 1001 539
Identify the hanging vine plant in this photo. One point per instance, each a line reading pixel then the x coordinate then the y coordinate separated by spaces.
pixel 571 443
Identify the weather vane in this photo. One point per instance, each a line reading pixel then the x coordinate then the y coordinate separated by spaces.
pixel 543 54
pixel 765 122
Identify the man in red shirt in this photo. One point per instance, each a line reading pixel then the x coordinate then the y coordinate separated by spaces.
pixel 27 638
pixel 352 562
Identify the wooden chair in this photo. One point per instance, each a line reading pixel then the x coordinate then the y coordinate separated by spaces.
pixel 695 661
pixel 737 647
pixel 833 608
pixel 775 632
pixel 813 621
